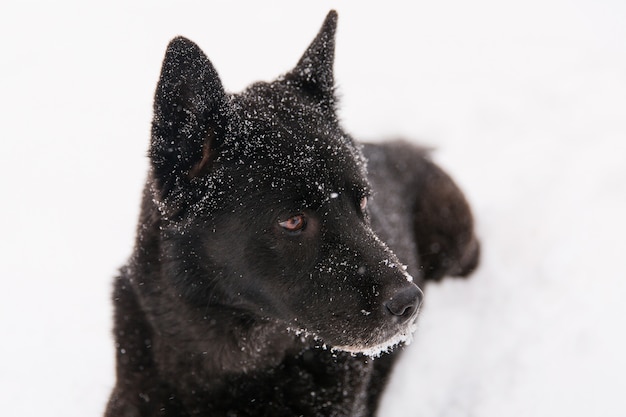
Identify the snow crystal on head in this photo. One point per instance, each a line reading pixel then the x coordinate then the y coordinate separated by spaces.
pixel 396 264
pixel 278 141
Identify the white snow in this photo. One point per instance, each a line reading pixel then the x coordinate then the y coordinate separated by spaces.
pixel 525 102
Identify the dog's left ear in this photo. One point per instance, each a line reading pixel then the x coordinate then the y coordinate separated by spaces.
pixel 190 116
pixel 314 72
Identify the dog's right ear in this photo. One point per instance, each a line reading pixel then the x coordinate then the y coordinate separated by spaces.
pixel 314 72
pixel 190 114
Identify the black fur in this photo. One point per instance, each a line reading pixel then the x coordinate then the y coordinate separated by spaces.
pixel 260 284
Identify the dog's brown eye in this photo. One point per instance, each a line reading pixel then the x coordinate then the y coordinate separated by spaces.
pixel 363 203
pixel 294 224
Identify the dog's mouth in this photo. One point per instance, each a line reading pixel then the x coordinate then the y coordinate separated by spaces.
pixel 381 343
pixel 372 331
pixel 382 340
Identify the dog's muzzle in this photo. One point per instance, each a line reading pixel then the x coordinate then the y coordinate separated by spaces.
pixel 405 303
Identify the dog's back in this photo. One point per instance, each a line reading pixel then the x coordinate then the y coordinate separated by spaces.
pixel 260 284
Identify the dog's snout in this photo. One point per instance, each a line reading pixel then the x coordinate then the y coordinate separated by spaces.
pixel 405 302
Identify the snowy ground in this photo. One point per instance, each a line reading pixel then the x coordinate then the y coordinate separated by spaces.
pixel 526 102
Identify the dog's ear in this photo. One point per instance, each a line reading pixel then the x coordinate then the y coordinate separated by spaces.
pixel 444 226
pixel 190 109
pixel 314 72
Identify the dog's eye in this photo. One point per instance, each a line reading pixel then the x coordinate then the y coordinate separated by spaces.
pixel 294 224
pixel 363 203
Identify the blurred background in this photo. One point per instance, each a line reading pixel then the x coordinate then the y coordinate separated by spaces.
pixel 525 103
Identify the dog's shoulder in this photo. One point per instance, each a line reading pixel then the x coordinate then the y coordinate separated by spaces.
pixel 412 192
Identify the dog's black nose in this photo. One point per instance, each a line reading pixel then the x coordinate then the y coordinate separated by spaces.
pixel 405 302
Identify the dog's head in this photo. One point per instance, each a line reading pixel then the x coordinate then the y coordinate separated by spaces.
pixel 263 203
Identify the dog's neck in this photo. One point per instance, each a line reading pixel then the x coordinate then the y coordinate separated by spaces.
pixel 222 343
pixel 232 353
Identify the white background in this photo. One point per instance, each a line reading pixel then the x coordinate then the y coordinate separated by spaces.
pixel 525 102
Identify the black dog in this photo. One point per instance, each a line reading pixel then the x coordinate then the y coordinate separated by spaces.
pixel 260 284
